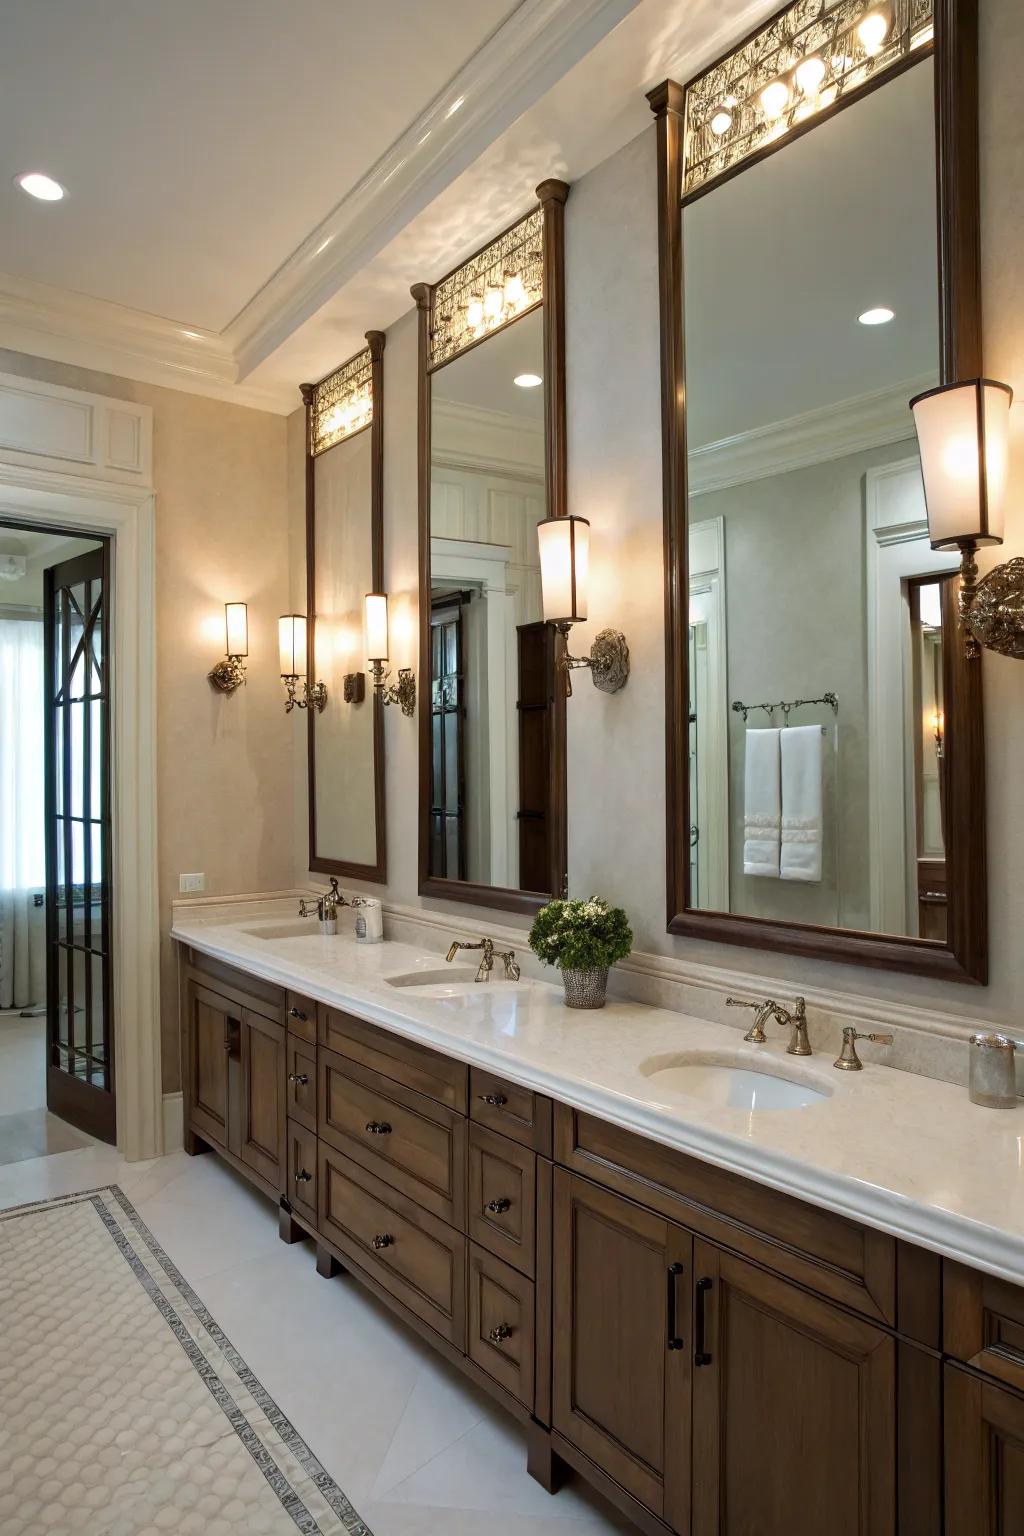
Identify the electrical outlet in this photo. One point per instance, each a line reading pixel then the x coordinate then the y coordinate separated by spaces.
pixel 189 884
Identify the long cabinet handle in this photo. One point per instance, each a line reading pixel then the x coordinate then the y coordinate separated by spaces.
pixel 495 1100
pixel 674 1271
pixel 297 1013
pixel 700 1354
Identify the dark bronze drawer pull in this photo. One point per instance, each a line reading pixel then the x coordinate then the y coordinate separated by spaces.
pixel 500 1334
pixel 700 1355
pixel 495 1100
pixel 302 1177
pixel 674 1271
pixel 297 1013
pixel 300 1079
pixel 383 1240
pixel 498 1206
pixel 378 1128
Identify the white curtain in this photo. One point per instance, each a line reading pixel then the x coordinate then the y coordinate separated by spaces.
pixel 22 837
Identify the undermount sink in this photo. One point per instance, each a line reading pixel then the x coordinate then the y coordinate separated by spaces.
pixel 300 928
pixel 443 976
pixel 730 1084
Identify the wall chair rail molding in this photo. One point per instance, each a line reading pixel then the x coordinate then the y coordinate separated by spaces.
pixel 497 305
pixel 345 559
pixel 707 133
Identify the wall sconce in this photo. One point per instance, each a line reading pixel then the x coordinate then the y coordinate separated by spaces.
pixel 293 648
pixel 564 573
pixel 404 691
pixel 229 674
pixel 963 433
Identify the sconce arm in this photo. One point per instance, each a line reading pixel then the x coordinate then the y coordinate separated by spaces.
pixel 402 693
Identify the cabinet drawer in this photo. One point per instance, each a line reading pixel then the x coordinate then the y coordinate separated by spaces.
pixel 829 1254
pixel 414 1066
pixel 983 1322
pixel 416 1258
pixel 501 1323
pixel 301 1060
pixel 515 1112
pixel 301 1017
pixel 502 1197
pixel 412 1142
pixel 302 1170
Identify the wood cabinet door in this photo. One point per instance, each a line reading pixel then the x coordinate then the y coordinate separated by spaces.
pixel 794 1401
pixel 984 1435
pixel 621 1356
pixel 263 1106
pixel 209 1025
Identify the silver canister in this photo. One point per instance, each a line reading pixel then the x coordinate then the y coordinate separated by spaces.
pixel 993 1075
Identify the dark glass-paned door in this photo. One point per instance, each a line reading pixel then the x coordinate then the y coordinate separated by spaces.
pixel 447 723
pixel 79 1027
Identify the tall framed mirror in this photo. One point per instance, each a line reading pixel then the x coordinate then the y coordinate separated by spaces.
pixel 344 561
pixel 491 467
pixel 819 267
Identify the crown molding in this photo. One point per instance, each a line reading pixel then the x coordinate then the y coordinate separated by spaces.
pixel 829 432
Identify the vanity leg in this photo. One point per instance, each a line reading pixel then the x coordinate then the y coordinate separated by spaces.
pixel 542 1463
pixel 193 1144
pixel 326 1264
pixel 288 1229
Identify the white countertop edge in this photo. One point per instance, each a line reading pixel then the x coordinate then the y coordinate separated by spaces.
pixel 943 1232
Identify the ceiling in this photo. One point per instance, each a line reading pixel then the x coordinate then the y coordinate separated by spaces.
pixel 253 186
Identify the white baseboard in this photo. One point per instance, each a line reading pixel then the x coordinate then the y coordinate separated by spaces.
pixel 174 1122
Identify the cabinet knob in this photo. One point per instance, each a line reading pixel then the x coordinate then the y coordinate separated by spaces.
pixel 383 1240
pixel 297 1013
pixel 499 1205
pixel 300 1079
pixel 500 1334
pixel 378 1128
pixel 302 1177
pixel 496 1100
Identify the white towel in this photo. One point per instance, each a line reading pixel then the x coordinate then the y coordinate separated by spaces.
pixel 801 803
pixel 761 805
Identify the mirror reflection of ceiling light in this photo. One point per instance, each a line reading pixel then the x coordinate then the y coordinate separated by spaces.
pixel 38 184
pixel 528 380
pixel 775 98
pixel 873 31
pixel 878 316
pixel 810 74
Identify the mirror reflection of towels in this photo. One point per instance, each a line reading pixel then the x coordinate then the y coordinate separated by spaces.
pixel 761 804
pixel 801 754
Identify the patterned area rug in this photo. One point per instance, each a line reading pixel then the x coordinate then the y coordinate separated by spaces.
pixel 124 1410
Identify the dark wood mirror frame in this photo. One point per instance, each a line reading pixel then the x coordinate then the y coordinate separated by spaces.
pixel 378 871
pixel 964 955
pixel 551 196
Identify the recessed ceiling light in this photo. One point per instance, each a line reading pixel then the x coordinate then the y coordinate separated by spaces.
pixel 528 380
pixel 879 316
pixel 456 104
pixel 37 184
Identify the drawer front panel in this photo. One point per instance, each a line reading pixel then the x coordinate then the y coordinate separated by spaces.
pixel 302 1173
pixel 837 1258
pixel 516 1112
pixel 502 1198
pixel 302 1082
pixel 410 1141
pixel 418 1259
pixel 414 1066
pixel 501 1324
pixel 983 1322
pixel 301 1017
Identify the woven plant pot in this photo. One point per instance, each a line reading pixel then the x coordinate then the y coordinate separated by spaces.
pixel 586 989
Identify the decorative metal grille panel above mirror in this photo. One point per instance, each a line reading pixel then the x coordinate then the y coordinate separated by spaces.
pixel 787 74
pixel 492 288
pixel 342 403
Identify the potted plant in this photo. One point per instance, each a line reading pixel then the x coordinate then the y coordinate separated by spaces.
pixel 584 939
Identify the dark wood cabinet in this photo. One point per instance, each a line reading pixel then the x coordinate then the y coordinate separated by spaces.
pixel 984 1450
pixel 262 1098
pixel 621 1343
pixel 794 1403
pixel 208 1026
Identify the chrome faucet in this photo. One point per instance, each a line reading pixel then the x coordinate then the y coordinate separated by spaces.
pixel 796 1022
pixel 326 908
pixel 486 966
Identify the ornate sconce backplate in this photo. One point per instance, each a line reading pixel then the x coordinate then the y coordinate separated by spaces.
pixel 497 285
pixel 797 66
pixel 341 404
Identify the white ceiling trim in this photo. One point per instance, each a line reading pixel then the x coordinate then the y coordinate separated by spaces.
pixel 528 54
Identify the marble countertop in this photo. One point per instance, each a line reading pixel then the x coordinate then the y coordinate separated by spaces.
pixel 905 1154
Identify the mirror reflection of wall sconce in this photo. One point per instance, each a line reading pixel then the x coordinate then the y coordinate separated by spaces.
pixel 564 573
pixel 294 649
pixel 229 674
pixel 404 691
pixel 937 721
pixel 963 432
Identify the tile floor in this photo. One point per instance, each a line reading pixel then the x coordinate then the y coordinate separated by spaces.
pixel 418 1450
pixel 26 1128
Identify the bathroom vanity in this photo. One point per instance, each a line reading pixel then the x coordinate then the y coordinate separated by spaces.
pixel 675 1298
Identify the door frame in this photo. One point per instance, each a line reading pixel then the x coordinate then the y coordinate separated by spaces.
pixel 36 494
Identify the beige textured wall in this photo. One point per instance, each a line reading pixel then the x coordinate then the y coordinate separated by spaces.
pixel 224 764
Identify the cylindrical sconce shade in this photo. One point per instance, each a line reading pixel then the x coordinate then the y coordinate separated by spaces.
pixel 564 568
pixel 291 633
pixel 376 626
pixel 963 433
pixel 237 624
